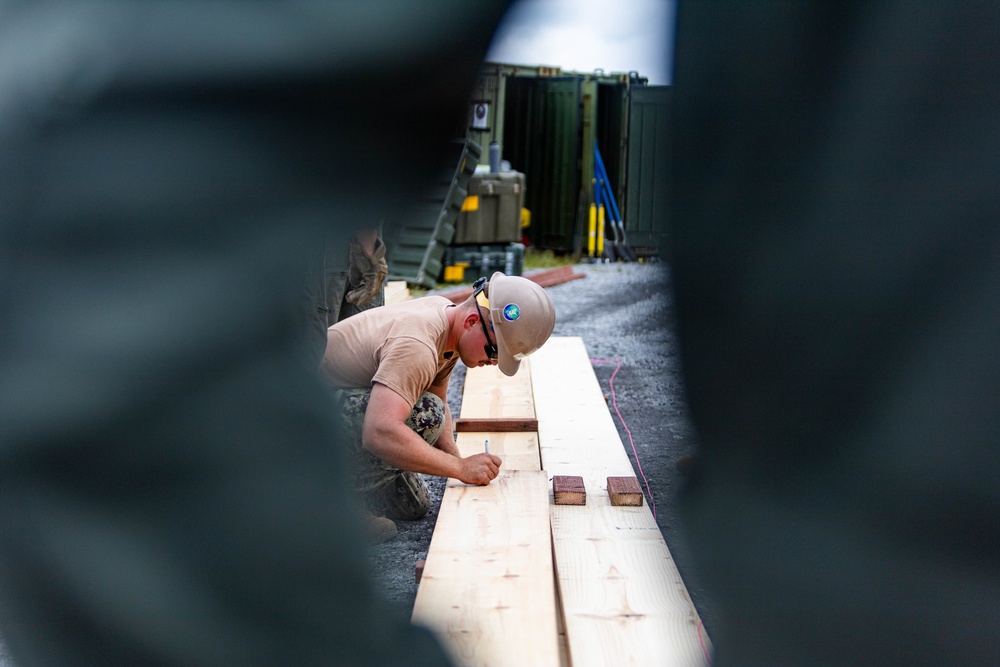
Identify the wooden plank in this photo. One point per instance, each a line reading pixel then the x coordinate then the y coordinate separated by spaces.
pixel 504 424
pixel 561 623
pixel 518 451
pixel 624 602
pixel 624 491
pixel 569 490
pixel 395 291
pixel 622 597
pixel 489 393
pixel 484 588
pixel 487 589
pixel 558 277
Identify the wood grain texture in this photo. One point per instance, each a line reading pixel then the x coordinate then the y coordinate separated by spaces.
pixel 623 600
pixel 518 451
pixel 498 424
pixel 395 291
pixel 624 491
pixel 487 590
pixel 488 586
pixel 568 490
pixel 489 393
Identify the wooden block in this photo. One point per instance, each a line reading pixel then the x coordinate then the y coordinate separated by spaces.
pixel 625 491
pixel 569 490
pixel 495 424
pixel 419 570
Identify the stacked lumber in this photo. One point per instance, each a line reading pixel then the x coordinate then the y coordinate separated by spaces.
pixel 396 291
pixel 511 578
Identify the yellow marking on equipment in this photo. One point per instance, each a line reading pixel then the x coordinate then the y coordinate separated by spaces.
pixel 592 229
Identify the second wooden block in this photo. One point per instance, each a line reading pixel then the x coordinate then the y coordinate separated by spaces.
pixel 625 491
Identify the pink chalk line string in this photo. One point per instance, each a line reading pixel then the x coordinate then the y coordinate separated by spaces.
pixel 701 640
pixel 614 402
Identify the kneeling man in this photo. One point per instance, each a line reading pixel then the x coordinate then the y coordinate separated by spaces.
pixel 390 367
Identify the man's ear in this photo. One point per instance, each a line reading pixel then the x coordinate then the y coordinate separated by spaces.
pixel 471 320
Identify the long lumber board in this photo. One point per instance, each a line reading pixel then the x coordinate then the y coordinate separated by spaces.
pixel 487 589
pixel 623 600
pixel 488 585
pixel 488 393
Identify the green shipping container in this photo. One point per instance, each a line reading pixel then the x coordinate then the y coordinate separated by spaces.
pixel 647 207
pixel 541 138
pixel 548 122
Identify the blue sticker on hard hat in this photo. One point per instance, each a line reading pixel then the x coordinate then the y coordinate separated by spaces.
pixel 511 312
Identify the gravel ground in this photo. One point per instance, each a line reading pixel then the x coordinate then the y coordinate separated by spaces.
pixel 623 313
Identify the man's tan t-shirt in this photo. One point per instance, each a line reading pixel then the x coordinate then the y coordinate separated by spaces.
pixel 401 346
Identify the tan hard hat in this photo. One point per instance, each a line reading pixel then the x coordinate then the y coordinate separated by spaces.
pixel 523 317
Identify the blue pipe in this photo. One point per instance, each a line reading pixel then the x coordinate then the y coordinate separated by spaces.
pixel 598 186
pixel 599 164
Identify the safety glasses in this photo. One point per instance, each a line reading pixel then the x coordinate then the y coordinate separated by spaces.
pixel 478 288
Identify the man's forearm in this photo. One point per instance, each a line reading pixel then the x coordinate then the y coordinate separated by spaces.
pixel 398 446
pixel 402 448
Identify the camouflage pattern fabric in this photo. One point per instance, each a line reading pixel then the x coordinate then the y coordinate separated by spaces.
pixel 387 490
pixel 336 285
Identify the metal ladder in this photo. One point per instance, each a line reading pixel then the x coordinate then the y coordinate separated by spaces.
pixel 416 251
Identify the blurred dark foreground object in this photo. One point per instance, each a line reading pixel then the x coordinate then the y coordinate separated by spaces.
pixel 837 263
pixel 171 489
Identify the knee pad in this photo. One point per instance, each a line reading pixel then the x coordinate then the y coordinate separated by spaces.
pixel 427 418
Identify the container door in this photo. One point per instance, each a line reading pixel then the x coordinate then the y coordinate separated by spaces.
pixel 612 135
pixel 542 140
pixel 647 196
